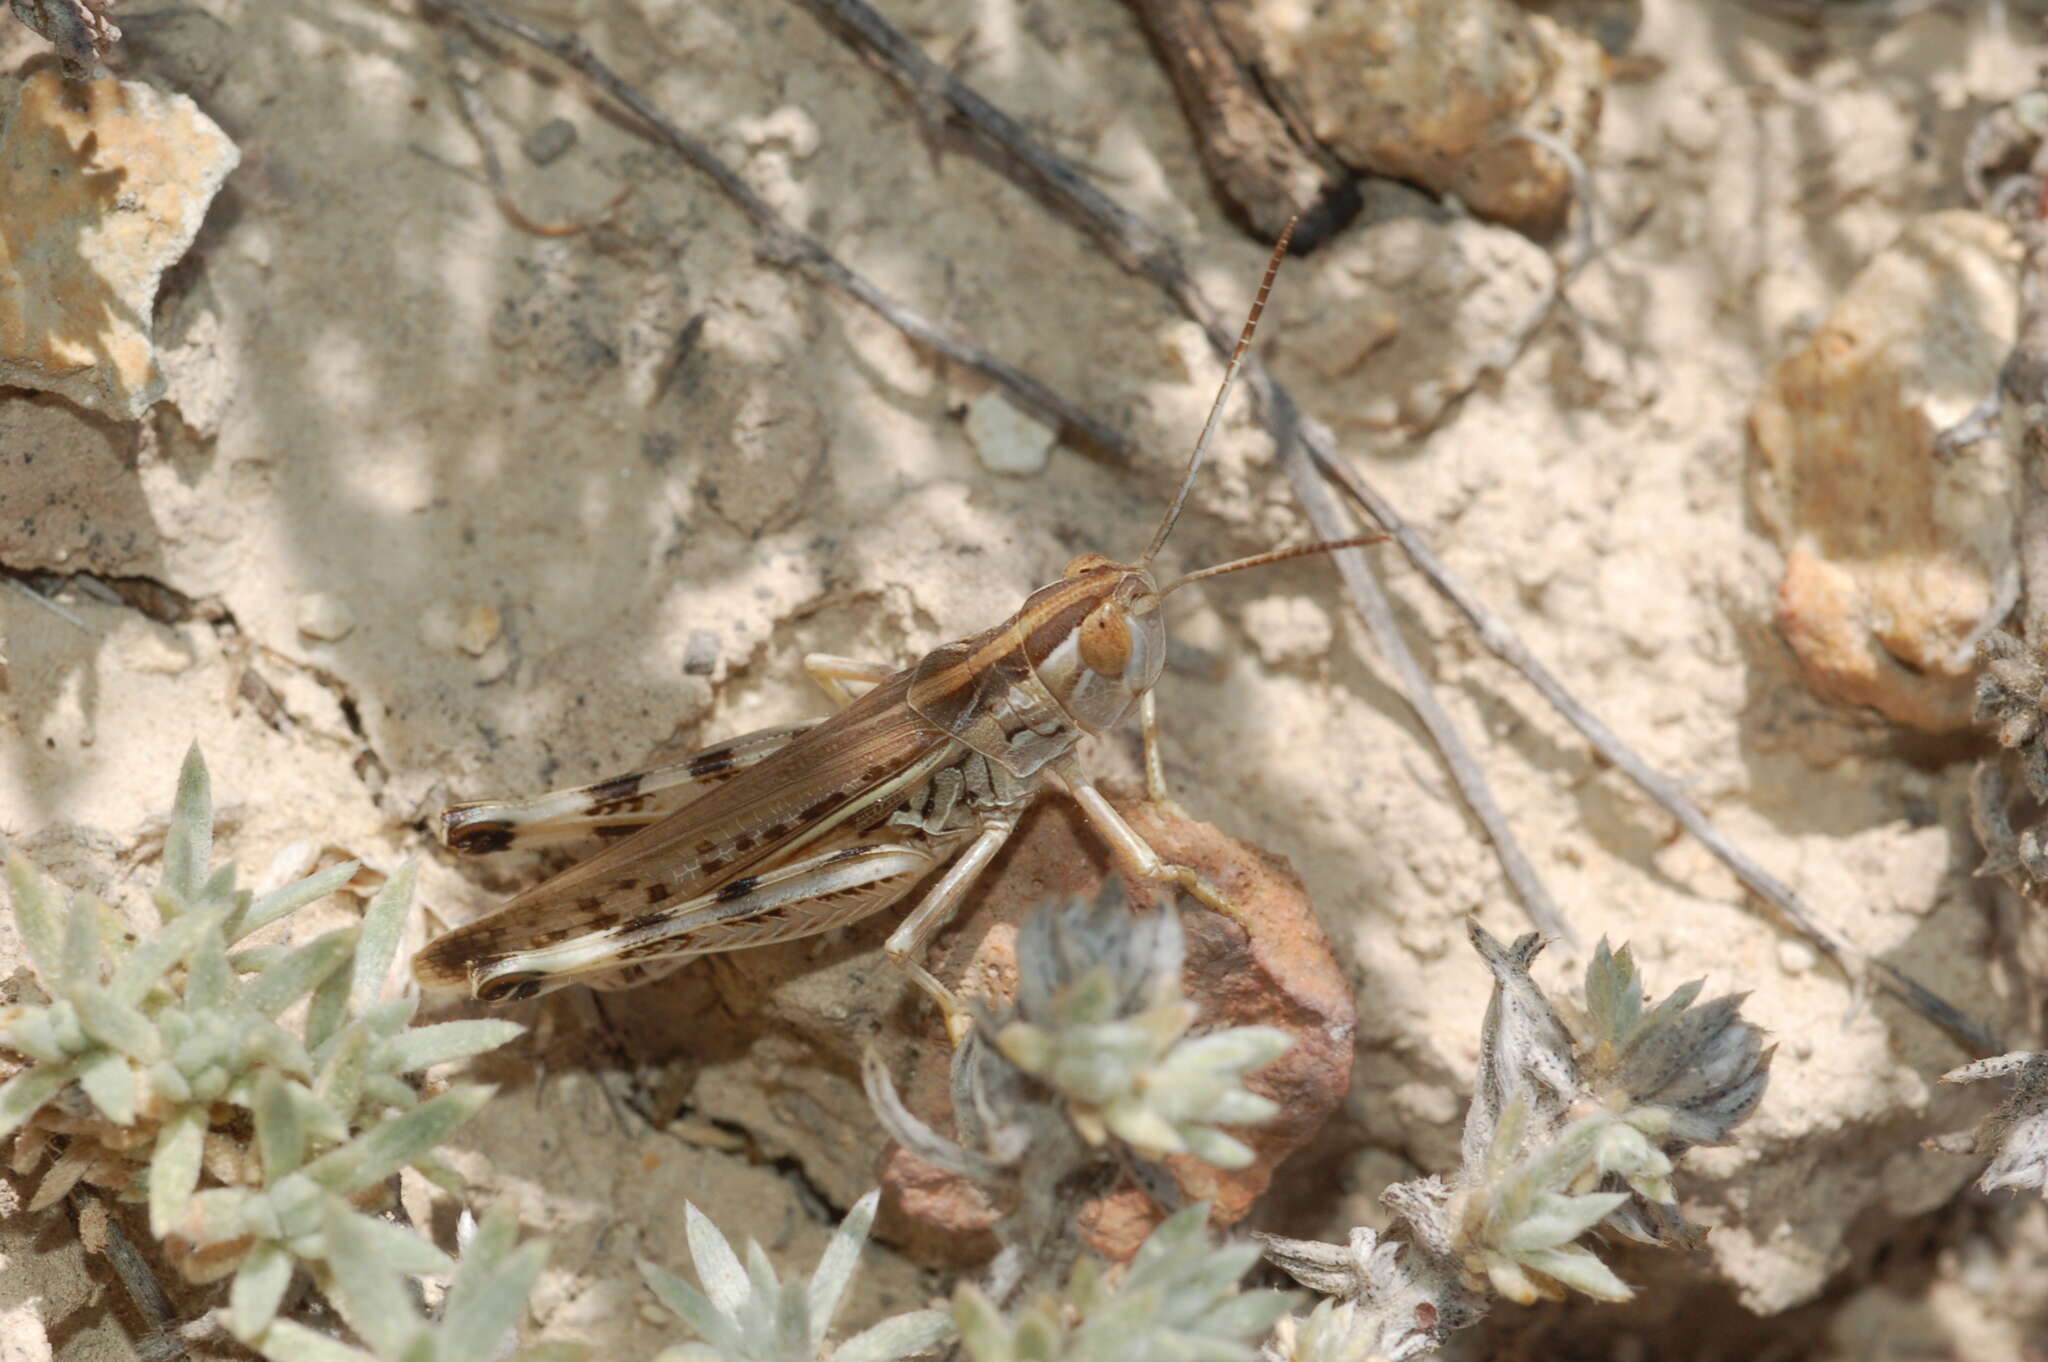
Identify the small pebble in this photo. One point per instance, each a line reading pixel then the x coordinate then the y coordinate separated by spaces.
pixel 155 649
pixel 479 630
pixel 1007 440
pixel 1796 957
pixel 548 141
pixel 700 654
pixel 324 616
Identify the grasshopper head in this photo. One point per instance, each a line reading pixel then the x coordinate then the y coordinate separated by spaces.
pixel 1097 637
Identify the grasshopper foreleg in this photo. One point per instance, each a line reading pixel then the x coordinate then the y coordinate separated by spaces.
pixel 1131 847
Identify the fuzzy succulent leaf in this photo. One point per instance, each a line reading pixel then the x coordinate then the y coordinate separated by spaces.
pixel 422 1046
pixel 188 845
pixel 174 1168
pixel 285 1341
pixel 385 1148
pixel 1178 1298
pixel 40 920
pixel 109 1080
pixel 370 1295
pixel 836 1266
pixel 747 1314
pixel 299 972
pixel 265 909
pixel 258 1290
pixel 383 922
pixel 897 1337
pixel 489 1292
pixel 23 1094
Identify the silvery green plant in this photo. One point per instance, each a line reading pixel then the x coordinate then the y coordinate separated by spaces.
pixel 2016 1134
pixel 748 1314
pixel 475 1323
pixel 1096 1045
pixel 155 1058
pixel 1177 1298
pixel 1572 1133
pixel 1102 1019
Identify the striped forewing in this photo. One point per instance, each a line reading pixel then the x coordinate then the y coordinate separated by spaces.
pixel 849 768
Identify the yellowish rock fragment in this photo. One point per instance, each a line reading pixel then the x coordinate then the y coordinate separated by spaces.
pixel 106 184
pixel 1431 91
pixel 1896 559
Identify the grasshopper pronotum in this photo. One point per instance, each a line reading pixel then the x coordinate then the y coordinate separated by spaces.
pixel 795 830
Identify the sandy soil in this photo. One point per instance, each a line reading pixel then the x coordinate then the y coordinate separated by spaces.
pixel 487 450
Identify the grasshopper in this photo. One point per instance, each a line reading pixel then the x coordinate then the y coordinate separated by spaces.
pixel 791 831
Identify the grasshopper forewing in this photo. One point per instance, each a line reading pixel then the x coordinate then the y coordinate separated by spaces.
pixel 795 830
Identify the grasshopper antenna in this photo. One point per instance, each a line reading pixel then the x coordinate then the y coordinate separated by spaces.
pixel 1271 556
pixel 1244 341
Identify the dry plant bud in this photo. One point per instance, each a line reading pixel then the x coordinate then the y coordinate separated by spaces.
pixel 2016 1134
pixel 79 29
pixel 2011 691
pixel 1573 1130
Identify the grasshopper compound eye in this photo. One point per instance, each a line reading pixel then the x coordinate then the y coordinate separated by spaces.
pixel 1106 640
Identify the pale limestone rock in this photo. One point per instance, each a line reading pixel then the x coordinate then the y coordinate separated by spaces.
pixel 324 616
pixel 1481 289
pixel 69 498
pixel 1429 91
pixel 1896 560
pixel 1007 440
pixel 1288 630
pixel 107 183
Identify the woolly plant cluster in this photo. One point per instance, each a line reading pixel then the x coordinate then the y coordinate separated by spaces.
pixel 162 1068
pixel 260 1099
pixel 1570 1137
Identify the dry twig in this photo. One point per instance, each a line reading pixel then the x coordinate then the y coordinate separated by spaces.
pixel 783 244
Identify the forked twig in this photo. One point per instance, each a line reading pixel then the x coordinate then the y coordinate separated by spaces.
pixel 784 244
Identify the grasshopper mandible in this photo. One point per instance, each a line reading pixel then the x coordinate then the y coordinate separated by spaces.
pixel 792 831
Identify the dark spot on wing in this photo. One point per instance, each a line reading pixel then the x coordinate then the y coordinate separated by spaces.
pixel 660 892
pixel 738 889
pixel 621 787
pixel 710 764
pixel 611 831
pixel 823 806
